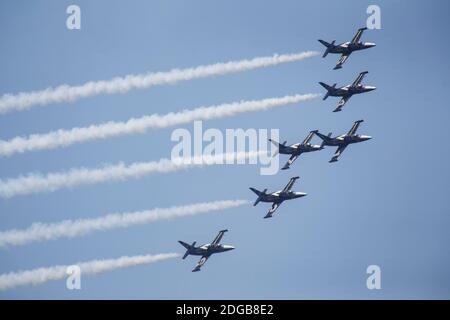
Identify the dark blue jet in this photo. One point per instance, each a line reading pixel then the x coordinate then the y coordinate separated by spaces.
pixel 346 48
pixel 205 250
pixel 344 140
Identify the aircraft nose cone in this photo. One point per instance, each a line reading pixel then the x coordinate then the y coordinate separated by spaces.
pixel 365 138
pixel 371 45
pixel 370 88
pixel 228 248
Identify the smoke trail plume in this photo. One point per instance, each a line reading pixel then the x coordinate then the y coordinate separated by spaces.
pixel 63 138
pixel 36 183
pixel 42 275
pixel 73 228
pixel 66 93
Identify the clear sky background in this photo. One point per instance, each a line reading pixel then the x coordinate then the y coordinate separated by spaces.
pixel 385 202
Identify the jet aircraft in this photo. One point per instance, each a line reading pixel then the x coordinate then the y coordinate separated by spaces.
pixel 277 197
pixel 206 250
pixel 346 48
pixel 348 91
pixel 295 150
pixel 343 140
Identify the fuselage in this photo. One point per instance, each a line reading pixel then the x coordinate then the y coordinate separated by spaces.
pixel 279 196
pixel 208 249
pixel 298 148
pixel 351 90
pixel 346 139
pixel 348 47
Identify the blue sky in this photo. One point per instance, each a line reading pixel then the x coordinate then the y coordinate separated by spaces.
pixel 384 203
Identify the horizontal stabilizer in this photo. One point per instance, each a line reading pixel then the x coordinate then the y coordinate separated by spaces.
pixel 330 89
pixel 260 195
pixel 326 44
pixel 188 248
pixel 322 145
pixel 279 146
pixel 184 244
pixel 322 136
pixel 327 87
pixel 257 192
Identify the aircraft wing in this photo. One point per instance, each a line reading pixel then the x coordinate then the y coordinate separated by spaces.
pixel 341 103
pixel 342 60
pixel 218 237
pixel 338 152
pixel 355 126
pixel 289 185
pixel 290 161
pixel 308 138
pixel 275 206
pixel 359 78
pixel 200 263
pixel 358 35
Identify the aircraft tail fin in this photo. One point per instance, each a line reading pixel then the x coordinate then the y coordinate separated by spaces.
pixel 322 145
pixel 280 146
pixel 260 194
pixel 188 247
pixel 324 138
pixel 330 89
pixel 328 45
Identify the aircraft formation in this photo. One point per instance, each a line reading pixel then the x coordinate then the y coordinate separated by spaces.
pixel 295 150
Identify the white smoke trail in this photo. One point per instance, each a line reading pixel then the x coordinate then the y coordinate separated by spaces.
pixel 42 275
pixel 66 93
pixel 63 138
pixel 35 183
pixel 73 228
